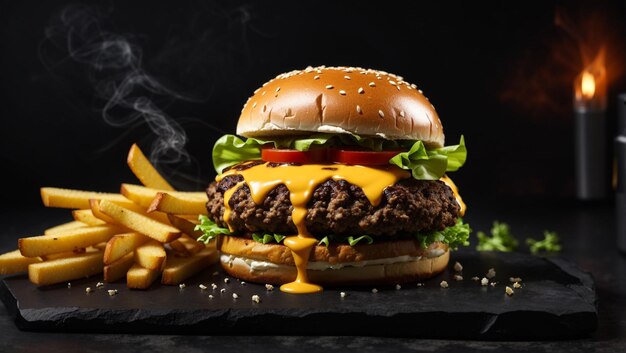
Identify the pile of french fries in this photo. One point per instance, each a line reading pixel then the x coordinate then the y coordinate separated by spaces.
pixel 143 233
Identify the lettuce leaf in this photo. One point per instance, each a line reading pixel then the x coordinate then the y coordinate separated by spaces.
pixel 501 239
pixel 454 236
pixel 549 243
pixel 353 241
pixel 431 164
pixel 268 238
pixel 424 164
pixel 210 229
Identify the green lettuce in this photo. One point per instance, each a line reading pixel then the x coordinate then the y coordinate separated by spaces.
pixel 427 164
pixel 549 243
pixel 210 229
pixel 324 241
pixel 501 239
pixel 268 238
pixel 353 241
pixel 424 164
pixel 454 236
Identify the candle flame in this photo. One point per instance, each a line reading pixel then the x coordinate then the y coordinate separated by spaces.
pixel 587 85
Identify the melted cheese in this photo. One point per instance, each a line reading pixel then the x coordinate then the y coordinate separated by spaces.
pixel 455 190
pixel 301 181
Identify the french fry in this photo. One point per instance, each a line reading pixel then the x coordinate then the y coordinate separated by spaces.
pixel 144 170
pixel 100 246
pixel 68 241
pixel 167 203
pixel 69 198
pixel 150 255
pixel 185 225
pixel 144 196
pixel 186 245
pixel 178 269
pixel 140 278
pixel 87 217
pixel 117 270
pixel 62 255
pixel 65 269
pixel 122 244
pixel 13 262
pixel 140 223
pixel 63 227
pixel 157 216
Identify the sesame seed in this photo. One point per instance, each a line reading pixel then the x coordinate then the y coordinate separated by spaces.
pixel 278 89
pixel 420 91
pixel 235 296
pixel 269 287
pixel 484 282
pixel 457 265
pixel 182 286
pixel 226 280
pixel 374 290
pixel 398 88
pixel 202 286
pixel 213 286
pixel 508 290
pixel 516 285
pixel 112 292
pixel 88 290
pixel 398 287
pixel 342 294
pixel 361 90
pixel 381 113
pixel 358 109
pixel 263 93
pixel 99 284
pixel 393 83
pixel 415 86
pixel 330 86
pixel 256 299
pixel 372 84
pixel 210 296
pixel 491 273
pixel 346 77
pixel 342 92
pixel 443 284
pixel 402 115
pixel 515 279
pixel 254 105
pixel 378 77
pixel 223 290
pixel 316 77
pixel 458 277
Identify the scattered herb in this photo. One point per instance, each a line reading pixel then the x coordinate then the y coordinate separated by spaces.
pixel 500 239
pixel 549 243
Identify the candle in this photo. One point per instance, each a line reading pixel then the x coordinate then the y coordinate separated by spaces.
pixel 592 180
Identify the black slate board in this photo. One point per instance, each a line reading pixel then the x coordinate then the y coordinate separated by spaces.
pixel 557 300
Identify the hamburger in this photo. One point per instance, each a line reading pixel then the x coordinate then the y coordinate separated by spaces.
pixel 338 178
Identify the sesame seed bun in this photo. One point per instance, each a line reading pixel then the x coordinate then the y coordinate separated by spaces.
pixel 338 264
pixel 341 100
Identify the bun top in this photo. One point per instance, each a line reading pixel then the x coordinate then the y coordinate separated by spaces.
pixel 341 100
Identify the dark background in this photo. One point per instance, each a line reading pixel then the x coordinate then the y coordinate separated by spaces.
pixel 501 73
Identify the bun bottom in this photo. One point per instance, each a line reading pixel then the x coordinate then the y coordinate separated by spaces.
pixel 387 273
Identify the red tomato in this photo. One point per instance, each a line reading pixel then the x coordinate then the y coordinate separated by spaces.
pixel 362 157
pixel 316 155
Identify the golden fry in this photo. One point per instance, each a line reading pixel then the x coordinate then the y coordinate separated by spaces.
pixel 65 269
pixel 140 278
pixel 144 170
pixel 122 244
pixel 69 198
pixel 87 217
pixel 162 232
pixel 171 204
pixel 178 269
pixel 144 196
pixel 186 245
pixel 63 227
pixel 14 262
pixel 117 270
pixel 69 240
pixel 150 255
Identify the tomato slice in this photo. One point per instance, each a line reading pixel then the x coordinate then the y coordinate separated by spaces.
pixel 316 155
pixel 356 157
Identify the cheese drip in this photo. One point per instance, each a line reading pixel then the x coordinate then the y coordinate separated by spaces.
pixel 301 181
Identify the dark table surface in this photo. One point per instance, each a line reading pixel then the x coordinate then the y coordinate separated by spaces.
pixel 588 237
